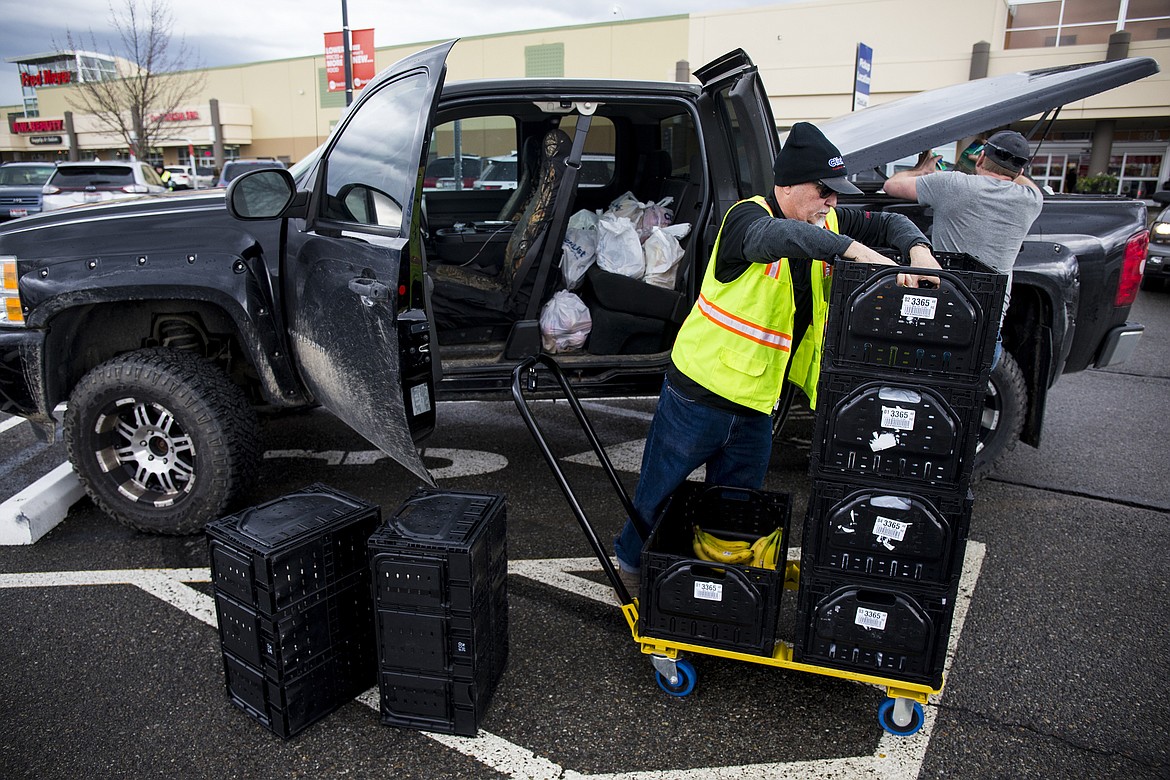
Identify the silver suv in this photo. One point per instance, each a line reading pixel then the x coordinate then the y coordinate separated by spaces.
pixel 77 183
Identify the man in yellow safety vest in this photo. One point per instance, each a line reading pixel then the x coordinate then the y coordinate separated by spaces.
pixel 759 318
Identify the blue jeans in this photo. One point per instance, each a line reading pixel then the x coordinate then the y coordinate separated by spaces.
pixel 684 435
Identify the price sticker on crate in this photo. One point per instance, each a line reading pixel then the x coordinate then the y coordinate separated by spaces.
pixel 885 528
pixel 897 418
pixel 709 591
pixel 870 618
pixel 919 307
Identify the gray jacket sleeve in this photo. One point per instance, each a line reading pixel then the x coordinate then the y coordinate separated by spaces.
pixel 880 229
pixel 770 239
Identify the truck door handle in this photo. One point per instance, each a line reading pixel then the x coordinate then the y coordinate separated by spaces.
pixel 370 289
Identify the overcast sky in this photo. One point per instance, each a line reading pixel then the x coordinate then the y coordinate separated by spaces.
pixel 231 32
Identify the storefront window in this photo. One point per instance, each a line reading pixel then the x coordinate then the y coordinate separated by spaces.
pixel 1139 174
pixel 1135 174
pixel 1060 172
pixel 1051 23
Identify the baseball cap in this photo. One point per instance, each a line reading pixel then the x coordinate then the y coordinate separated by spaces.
pixel 1009 149
pixel 807 156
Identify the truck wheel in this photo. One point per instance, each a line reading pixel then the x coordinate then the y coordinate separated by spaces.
pixel 161 439
pixel 1003 416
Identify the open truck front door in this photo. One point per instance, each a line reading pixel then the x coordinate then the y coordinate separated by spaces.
pixel 352 280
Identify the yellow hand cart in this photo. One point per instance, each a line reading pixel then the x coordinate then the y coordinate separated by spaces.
pixel 900 714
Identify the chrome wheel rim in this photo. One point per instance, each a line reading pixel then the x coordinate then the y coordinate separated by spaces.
pixel 146 451
pixel 989 420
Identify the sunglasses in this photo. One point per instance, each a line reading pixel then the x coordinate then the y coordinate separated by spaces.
pixel 1004 156
pixel 824 190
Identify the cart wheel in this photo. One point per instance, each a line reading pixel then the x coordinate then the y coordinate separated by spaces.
pixel 685 682
pixel 888 719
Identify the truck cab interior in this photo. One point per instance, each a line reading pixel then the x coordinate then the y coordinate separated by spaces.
pixel 494 249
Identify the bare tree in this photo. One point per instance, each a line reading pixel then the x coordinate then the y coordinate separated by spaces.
pixel 137 104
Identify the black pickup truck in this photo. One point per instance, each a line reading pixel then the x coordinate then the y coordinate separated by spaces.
pixel 167 322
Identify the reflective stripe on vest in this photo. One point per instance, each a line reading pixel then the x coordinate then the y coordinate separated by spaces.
pixel 741 327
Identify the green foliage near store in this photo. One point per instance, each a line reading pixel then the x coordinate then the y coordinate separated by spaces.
pixel 1100 184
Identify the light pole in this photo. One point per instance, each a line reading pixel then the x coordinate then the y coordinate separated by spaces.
pixel 345 49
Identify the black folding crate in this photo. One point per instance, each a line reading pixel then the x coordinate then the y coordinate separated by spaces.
pixel 456 644
pixel 691 600
pixel 434 703
pixel 440 550
pixel 947 332
pixel 284 644
pixel 867 426
pixel 898 633
pixel 271 556
pixel 439 579
pixel 879 531
pixel 288 707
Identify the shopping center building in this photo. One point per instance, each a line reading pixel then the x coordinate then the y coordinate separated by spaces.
pixel 806 53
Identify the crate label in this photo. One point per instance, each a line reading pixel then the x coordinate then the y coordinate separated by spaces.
pixel 709 591
pixel 420 400
pixel 883 441
pixel 870 618
pixel 897 418
pixel 919 307
pixel 885 528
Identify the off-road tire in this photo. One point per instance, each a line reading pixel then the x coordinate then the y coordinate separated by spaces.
pixel 161 440
pixel 1003 416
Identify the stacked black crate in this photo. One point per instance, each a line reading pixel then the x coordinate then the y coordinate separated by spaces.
pixel 685 598
pixel 292 593
pixel 899 405
pixel 439 570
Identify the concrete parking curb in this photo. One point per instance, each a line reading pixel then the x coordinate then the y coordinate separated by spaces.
pixel 37 509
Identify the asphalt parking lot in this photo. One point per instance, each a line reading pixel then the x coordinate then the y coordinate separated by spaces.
pixel 112 663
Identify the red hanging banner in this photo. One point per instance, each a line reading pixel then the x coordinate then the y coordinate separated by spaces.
pixel 335 61
pixel 361 54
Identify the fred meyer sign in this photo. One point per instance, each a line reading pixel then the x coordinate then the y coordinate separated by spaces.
pixel 38 126
pixel 45 78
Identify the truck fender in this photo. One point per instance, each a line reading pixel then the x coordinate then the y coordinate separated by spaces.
pixel 73 315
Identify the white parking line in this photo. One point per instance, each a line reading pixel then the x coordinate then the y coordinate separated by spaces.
pixel 894 758
pixel 10 423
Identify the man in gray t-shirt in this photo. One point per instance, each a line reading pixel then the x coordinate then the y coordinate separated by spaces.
pixel 986 215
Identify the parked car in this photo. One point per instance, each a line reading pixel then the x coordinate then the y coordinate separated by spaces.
pixel 503 173
pixel 183 179
pixel 20 187
pixel 233 168
pixel 1157 271
pixel 499 173
pixel 78 183
pixel 336 282
pixel 440 172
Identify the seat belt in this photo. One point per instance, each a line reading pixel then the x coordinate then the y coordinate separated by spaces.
pixel 556 227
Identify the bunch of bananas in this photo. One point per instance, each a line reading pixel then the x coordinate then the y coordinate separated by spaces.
pixel 761 553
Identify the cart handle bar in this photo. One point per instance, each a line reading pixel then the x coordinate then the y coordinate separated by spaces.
pixel 528 367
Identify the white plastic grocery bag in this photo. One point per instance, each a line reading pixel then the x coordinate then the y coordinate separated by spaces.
pixel 662 252
pixel 618 249
pixel 565 323
pixel 579 250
